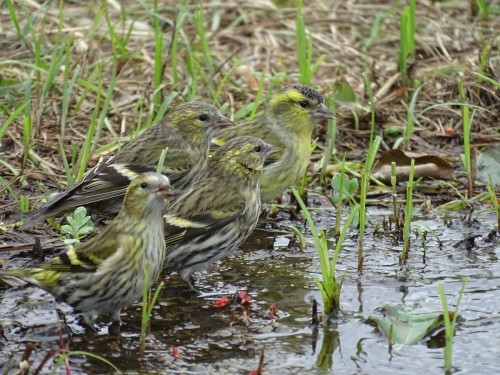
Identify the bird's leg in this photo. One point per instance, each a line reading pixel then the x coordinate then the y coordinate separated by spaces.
pixel 114 328
pixel 189 280
pixel 88 321
pixel 115 317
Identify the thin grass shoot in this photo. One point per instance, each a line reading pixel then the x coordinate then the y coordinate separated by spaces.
pixel 494 201
pixel 148 303
pixel 394 193
pixel 450 322
pixel 331 134
pixel 63 357
pixel 466 122
pixel 329 286
pixel 403 257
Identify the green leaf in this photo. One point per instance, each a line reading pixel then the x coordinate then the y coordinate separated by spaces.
pixel 344 94
pixel 86 229
pixel 406 327
pixel 455 205
pixel 349 187
pixel 393 131
pixel 79 224
pixel 67 229
pixel 80 215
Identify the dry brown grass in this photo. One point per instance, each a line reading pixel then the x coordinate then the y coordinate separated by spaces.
pixel 259 35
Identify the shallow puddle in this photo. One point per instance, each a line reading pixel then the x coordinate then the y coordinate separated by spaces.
pixel 228 340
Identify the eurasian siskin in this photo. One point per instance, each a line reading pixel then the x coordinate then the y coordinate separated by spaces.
pixel 218 211
pixel 107 273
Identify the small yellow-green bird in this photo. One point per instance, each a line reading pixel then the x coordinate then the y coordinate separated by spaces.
pixel 287 122
pixel 218 211
pixel 107 273
pixel 186 131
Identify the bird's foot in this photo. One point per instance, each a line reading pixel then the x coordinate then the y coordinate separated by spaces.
pixel 189 282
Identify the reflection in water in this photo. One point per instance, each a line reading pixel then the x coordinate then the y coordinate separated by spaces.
pixel 359 287
pixel 403 289
pixel 360 353
pixel 330 342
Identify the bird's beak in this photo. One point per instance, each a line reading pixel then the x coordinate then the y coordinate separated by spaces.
pixel 270 149
pixel 165 191
pixel 322 113
pixel 223 122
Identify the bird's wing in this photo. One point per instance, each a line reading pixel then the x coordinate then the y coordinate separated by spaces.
pixel 103 182
pixel 177 164
pixel 85 258
pixel 185 225
pixel 88 256
pixel 147 148
pixel 71 261
pixel 111 182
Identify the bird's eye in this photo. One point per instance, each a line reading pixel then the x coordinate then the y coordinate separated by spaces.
pixel 203 117
pixel 304 104
pixel 257 149
pixel 144 185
